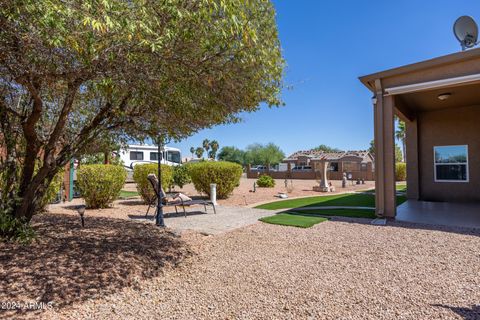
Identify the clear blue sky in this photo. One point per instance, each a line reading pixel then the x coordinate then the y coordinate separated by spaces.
pixel 327 46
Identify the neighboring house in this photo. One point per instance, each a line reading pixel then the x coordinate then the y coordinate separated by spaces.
pixel 360 164
pixel 305 165
pixel 439 100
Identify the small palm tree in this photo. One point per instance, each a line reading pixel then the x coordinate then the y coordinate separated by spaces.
pixel 192 151
pixel 199 152
pixel 214 148
pixel 206 145
pixel 400 135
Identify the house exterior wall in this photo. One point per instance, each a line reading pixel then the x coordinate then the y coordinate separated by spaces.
pixel 367 174
pixel 457 126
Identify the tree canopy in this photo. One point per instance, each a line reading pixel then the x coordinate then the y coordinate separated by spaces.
pixel 259 154
pixel 326 148
pixel 71 71
pixel 232 154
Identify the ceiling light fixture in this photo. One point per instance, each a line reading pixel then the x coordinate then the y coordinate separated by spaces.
pixel 444 96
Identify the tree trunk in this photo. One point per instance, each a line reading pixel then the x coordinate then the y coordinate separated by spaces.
pixel 31 199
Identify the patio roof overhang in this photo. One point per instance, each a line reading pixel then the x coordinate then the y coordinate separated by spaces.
pixel 407 74
pixel 416 87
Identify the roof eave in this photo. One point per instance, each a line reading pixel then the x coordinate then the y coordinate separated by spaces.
pixel 426 64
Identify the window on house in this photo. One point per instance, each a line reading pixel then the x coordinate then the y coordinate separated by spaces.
pixel 363 167
pixel 136 155
pixel 334 166
pixel 451 163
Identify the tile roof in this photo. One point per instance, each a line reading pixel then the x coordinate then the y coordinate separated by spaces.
pixel 321 155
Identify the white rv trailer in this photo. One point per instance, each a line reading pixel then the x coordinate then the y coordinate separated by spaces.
pixel 137 154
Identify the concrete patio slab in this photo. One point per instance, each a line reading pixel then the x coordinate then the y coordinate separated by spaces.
pixel 440 213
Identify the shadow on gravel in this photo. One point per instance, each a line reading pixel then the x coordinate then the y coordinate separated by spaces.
pixel 68 264
pixel 466 313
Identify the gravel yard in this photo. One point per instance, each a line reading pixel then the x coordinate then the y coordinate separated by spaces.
pixel 68 264
pixel 335 270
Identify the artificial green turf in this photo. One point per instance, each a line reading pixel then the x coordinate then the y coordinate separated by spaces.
pixel 351 213
pixel 399 187
pixel 347 200
pixel 293 220
pixel 127 194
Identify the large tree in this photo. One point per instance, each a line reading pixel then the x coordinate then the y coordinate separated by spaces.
pixel 232 154
pixel 268 154
pixel 71 71
pixel 325 148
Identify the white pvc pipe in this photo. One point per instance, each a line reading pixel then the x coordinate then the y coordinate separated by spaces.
pixel 213 193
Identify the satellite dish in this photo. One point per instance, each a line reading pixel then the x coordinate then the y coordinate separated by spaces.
pixel 466 31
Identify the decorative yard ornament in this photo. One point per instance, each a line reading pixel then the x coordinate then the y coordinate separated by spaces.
pixel 344 180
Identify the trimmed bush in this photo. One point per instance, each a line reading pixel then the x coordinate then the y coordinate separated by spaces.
pixel 181 176
pixel 225 174
pixel 265 181
pixel 400 171
pixel 100 184
pixel 144 188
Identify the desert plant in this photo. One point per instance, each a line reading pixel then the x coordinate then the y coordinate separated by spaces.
pixel 181 176
pixel 14 229
pixel 265 181
pixel 100 184
pixel 144 188
pixel 226 175
pixel 400 171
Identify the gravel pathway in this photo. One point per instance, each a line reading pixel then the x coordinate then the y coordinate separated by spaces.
pixel 334 270
pixel 226 219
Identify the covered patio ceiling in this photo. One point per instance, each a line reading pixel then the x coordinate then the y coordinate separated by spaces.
pixel 457 96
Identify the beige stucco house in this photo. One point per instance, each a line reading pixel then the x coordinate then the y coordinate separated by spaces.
pixel 358 164
pixel 439 100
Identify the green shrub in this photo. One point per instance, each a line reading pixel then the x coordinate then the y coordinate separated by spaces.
pixel 12 229
pixel 100 184
pixel 52 190
pixel 181 176
pixel 400 171
pixel 265 181
pixel 225 174
pixel 50 194
pixel 144 188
